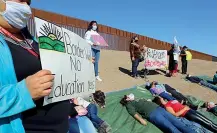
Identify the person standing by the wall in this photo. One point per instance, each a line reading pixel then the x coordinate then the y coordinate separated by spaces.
pixel 93 30
pixel 135 55
pixel 172 63
pixel 184 60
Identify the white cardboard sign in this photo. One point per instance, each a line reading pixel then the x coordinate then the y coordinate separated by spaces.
pixel 155 59
pixel 68 56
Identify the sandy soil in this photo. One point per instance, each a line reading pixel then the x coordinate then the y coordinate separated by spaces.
pixel 115 67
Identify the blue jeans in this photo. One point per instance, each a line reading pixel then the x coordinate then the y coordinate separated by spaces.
pixel 167 122
pixel 206 84
pixel 96 55
pixel 166 96
pixel 81 124
pixel 92 115
pixel 195 126
pixel 135 65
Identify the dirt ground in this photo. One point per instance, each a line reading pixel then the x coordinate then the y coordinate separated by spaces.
pixel 115 67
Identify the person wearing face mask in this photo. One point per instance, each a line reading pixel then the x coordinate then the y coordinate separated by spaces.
pixel 141 109
pixel 23 83
pixel 93 30
pixel 14 14
pixel 184 60
pixel 135 55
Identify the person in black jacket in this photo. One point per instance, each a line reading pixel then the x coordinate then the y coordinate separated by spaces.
pixel 184 61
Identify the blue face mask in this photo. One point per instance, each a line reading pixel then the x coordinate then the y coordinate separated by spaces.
pixel 17 14
pixel 94 27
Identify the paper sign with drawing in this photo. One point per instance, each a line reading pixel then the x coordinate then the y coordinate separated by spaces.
pixel 68 56
pixel 155 59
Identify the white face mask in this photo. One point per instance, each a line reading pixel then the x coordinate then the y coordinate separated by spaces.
pixel 17 14
pixel 130 97
pixel 94 27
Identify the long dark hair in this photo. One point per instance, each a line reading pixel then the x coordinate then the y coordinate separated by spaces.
pixel 99 98
pixel 157 101
pixel 124 101
pixel 90 26
pixel 133 39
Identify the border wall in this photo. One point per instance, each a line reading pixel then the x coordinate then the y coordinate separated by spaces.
pixel 117 39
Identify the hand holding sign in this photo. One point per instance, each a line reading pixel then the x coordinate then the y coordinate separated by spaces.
pixel 40 84
pixel 96 44
pixel 68 56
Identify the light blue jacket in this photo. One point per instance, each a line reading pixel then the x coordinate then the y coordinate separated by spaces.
pixel 14 96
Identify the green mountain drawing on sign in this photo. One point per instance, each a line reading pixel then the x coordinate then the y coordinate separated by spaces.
pixel 51 44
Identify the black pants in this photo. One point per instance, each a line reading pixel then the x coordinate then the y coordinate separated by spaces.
pixel 175 94
pixel 194 79
pixel 195 116
pixel 184 66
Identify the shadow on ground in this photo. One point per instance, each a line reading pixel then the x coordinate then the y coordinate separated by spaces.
pixel 141 72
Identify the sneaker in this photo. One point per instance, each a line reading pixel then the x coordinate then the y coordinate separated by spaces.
pixel 105 128
pixel 98 78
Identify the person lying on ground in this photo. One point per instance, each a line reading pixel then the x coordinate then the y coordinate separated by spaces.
pixel 211 107
pixel 158 89
pixel 78 122
pixel 197 80
pixel 179 110
pixel 141 109
pixel 101 125
pixel 179 96
pixel 215 79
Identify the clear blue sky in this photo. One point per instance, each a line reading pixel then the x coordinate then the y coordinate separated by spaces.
pixel 194 22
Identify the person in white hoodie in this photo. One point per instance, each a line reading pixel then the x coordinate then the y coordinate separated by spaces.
pixel 99 124
pixel 93 30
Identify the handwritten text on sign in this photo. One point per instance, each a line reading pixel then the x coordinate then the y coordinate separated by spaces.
pixel 68 56
pixel 155 59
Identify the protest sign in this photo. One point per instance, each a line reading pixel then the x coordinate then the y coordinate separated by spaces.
pixel 68 56
pixel 155 59
pixel 97 39
pixel 176 56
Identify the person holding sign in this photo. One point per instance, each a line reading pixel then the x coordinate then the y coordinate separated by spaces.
pixel 173 61
pixel 23 83
pixel 92 30
pixel 184 60
pixel 135 55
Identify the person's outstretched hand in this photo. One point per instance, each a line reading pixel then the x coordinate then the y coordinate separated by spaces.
pixel 39 84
